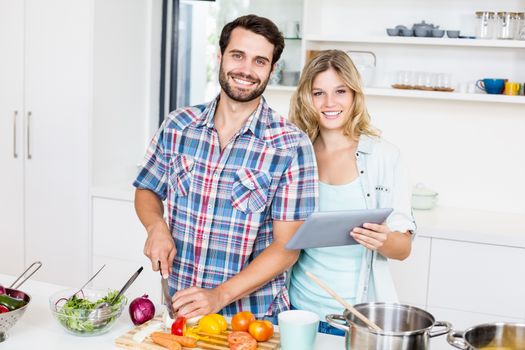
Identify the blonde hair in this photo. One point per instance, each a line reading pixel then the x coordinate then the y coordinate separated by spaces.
pixel 302 110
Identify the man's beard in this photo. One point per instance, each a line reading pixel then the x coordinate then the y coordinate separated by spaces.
pixel 237 95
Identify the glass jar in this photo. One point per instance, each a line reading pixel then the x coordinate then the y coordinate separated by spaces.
pixel 484 25
pixel 520 27
pixel 505 25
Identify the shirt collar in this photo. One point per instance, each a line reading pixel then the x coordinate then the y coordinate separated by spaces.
pixel 366 144
pixel 256 121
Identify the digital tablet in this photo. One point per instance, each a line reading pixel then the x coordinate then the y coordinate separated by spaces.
pixel 332 228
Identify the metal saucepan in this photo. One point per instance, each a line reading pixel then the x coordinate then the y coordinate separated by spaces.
pixel 490 336
pixel 403 327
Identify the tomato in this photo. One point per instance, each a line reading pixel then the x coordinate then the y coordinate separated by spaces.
pixel 3 309
pixel 241 321
pixel 239 340
pixel 179 326
pixel 261 330
pixel 221 321
pixel 209 324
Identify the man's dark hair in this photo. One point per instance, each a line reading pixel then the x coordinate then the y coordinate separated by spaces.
pixel 258 25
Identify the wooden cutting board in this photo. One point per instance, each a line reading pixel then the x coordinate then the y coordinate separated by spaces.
pixel 210 341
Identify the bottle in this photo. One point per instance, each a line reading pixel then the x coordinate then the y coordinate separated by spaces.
pixel 505 25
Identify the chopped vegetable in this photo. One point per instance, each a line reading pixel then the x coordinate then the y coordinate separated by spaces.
pixel 3 309
pixel 2 290
pixel 158 338
pixel 179 326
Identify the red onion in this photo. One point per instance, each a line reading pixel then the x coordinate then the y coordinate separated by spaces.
pixel 141 310
pixel 2 290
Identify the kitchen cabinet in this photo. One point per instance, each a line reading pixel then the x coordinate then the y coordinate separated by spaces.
pixel 44 115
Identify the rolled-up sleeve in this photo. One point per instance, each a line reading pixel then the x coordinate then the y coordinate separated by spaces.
pixel 153 174
pixel 297 193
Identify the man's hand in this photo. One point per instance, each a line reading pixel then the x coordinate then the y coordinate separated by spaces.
pixel 160 247
pixel 195 301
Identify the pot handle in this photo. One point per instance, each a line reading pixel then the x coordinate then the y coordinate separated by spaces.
pixel 330 319
pixel 455 338
pixel 447 325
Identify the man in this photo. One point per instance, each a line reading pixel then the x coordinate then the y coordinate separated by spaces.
pixel 238 179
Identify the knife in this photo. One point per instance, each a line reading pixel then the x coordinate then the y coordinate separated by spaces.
pixel 166 293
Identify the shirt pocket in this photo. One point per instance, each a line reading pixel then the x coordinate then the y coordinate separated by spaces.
pixel 180 175
pixel 250 190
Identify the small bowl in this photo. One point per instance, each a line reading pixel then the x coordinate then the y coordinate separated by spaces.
pixel 392 31
pixel 422 32
pixel 406 32
pixel 76 320
pixel 453 34
pixel 8 319
pixel 438 33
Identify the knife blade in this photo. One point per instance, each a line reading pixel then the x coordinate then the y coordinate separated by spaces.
pixel 166 293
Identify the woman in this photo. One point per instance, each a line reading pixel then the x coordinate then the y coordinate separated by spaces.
pixel 357 170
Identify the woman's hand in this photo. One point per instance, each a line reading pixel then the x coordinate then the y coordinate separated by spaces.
pixel 390 244
pixel 372 236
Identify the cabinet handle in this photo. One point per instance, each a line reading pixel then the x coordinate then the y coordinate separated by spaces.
pixel 29 156
pixel 15 115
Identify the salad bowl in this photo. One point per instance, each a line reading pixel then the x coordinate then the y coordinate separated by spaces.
pixel 75 312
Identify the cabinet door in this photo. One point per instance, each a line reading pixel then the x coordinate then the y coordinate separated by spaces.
pixel 58 94
pixel 480 278
pixel 11 133
pixel 411 275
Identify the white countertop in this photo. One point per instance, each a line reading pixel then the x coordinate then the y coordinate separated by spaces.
pixel 470 225
pixel 37 329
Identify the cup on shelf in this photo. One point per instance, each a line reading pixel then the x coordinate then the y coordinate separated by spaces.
pixel 393 31
pixel 438 33
pixel 512 88
pixel 491 86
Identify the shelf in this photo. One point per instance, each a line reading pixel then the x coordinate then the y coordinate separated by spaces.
pixel 520 44
pixel 432 95
pixel 451 96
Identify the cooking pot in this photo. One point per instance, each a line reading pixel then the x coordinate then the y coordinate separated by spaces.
pixel 403 327
pixel 493 336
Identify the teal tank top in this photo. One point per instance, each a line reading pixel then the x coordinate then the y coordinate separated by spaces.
pixel 338 267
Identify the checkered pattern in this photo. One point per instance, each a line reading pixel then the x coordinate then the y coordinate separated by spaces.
pixel 221 204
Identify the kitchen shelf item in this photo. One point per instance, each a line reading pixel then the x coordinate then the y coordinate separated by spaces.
pixel 207 341
pixel 365 62
pixel 485 24
pixel 505 25
pixel 343 302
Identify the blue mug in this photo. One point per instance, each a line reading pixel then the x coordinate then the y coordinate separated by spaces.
pixel 491 86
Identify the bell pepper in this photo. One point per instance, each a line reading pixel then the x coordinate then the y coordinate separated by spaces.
pixel 11 303
pixel 179 326
pixel 3 309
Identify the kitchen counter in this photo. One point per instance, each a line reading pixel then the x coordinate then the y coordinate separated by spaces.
pixel 477 226
pixel 37 329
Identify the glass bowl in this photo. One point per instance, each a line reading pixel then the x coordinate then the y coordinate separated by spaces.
pixel 79 320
